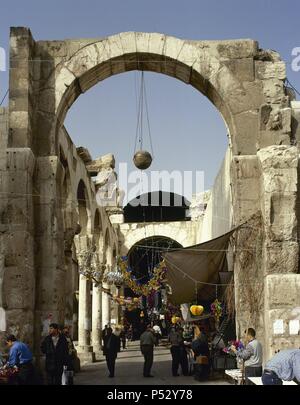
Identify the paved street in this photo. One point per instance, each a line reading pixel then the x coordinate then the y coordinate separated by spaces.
pixel 129 370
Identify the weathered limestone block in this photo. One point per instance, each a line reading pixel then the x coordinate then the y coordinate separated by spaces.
pixel 21 324
pixel 245 176
pixel 270 70
pixel 282 301
pixel 243 68
pixel 279 176
pixel 283 291
pixel 282 257
pixel 21 55
pixel 273 91
pixel 247 122
pixel 247 166
pixel 18 287
pixel 295 122
pixel 278 157
pixel 237 49
pixel 51 288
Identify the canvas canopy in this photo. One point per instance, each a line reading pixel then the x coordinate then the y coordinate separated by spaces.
pixel 188 268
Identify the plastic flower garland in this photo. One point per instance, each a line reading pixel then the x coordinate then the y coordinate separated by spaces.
pixel 238 345
pixel 216 309
pixel 128 302
pixel 142 289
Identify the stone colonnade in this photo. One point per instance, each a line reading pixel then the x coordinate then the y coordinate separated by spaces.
pixel 41 170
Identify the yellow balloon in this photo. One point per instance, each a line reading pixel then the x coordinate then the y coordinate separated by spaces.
pixel 196 310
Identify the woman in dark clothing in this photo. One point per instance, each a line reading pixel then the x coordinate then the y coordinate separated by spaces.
pixel 55 347
pixel 201 353
pixel 110 350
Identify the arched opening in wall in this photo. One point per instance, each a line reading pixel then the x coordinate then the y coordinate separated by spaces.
pixel 71 267
pixel 188 133
pixel 66 195
pixel 143 257
pixel 174 146
pixel 98 234
pixel 157 207
pixel 83 209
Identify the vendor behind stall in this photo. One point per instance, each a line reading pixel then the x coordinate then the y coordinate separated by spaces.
pixel 252 355
pixel 201 351
pixel 20 357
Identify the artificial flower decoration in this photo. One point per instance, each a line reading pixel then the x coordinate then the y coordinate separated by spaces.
pixel 130 280
pixel 238 345
pixel 216 309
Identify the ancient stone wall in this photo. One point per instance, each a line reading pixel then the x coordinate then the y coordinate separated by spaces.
pixel 183 232
pixel 244 82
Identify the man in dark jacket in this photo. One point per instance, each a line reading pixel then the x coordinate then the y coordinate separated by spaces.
pixel 111 348
pixel 147 342
pixel 55 347
pixel 178 351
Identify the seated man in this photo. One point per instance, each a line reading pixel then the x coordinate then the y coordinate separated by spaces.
pixel 284 366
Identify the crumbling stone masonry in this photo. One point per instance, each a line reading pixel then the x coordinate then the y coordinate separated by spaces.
pixel 46 189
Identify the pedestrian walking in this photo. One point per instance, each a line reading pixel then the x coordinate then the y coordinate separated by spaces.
pixel 20 358
pixel 55 347
pixel 147 342
pixel 252 355
pixel 178 351
pixel 284 366
pixel 123 338
pixel 111 348
pixel 157 333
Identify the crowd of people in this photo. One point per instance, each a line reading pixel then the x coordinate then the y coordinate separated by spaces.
pixel 188 345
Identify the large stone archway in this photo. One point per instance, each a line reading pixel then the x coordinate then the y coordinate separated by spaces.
pixel 245 83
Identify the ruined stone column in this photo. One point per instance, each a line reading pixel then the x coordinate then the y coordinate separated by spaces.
pixel 248 275
pixel 50 254
pixel 106 305
pixel 17 273
pixel 279 166
pixel 96 319
pixel 85 350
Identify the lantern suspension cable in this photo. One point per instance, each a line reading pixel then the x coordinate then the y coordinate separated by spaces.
pixel 142 159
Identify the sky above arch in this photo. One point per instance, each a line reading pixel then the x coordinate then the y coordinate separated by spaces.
pixel 188 132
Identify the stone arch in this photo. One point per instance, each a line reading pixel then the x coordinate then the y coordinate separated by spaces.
pixel 220 70
pixel 168 230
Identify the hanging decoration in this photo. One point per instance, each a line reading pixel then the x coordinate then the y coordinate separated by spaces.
pixel 155 282
pixel 90 266
pixel 196 310
pixel 175 319
pixel 216 309
pixel 142 159
pixel 130 303
pixel 114 277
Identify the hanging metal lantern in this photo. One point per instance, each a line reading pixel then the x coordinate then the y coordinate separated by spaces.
pixel 142 159
pixel 114 277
